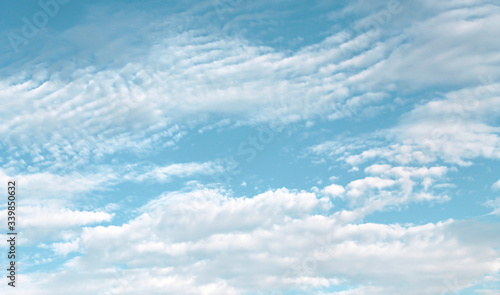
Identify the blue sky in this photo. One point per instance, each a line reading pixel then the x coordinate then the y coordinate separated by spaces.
pixel 252 147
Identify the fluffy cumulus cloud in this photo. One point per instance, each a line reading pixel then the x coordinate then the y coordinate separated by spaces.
pixel 334 190
pixel 206 242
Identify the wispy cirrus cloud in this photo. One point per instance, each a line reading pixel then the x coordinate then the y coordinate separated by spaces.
pixel 496 185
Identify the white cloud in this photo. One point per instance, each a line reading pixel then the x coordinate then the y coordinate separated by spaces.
pixel 53 218
pixel 52 222
pixel 436 46
pixel 269 242
pixel 406 172
pixel 496 185
pixel 387 187
pixel 65 248
pixel 82 112
pixel 495 204
pixel 334 190
pixel 384 186
pixel 42 186
pixel 215 243
pixel 165 173
pixel 456 128
pixel 142 101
